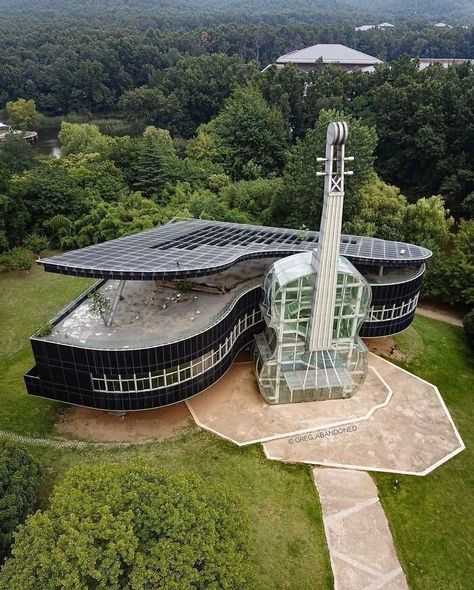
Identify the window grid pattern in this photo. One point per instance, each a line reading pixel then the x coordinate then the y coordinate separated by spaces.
pixel 195 247
pixel 382 313
pixel 170 376
pixel 286 371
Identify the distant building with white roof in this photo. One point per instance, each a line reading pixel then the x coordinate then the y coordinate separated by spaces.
pixel 365 27
pixel 349 59
pixel 380 26
pixel 444 61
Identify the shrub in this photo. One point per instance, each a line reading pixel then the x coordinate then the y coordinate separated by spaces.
pixel 20 476
pixel 16 259
pixel 100 305
pixel 36 243
pixel 183 286
pixel 468 323
pixel 131 527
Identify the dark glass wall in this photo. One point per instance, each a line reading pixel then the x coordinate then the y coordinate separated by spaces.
pixel 63 372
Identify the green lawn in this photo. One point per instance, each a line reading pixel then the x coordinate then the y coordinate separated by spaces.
pixel 289 545
pixel 288 539
pixel 27 301
pixel 431 517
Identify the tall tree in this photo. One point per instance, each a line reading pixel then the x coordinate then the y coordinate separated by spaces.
pixel 250 136
pixel 81 138
pixel 21 113
pixel 302 198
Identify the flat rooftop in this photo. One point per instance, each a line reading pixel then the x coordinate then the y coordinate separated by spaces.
pixel 149 312
pixel 189 248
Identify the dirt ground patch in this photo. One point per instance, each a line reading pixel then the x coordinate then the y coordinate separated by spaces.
pixel 383 347
pixel 97 425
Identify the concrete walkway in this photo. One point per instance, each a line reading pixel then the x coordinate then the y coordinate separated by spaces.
pixel 360 544
pixel 435 313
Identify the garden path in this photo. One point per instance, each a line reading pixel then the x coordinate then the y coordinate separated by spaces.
pixel 361 548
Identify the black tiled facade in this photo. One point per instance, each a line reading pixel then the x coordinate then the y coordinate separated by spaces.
pixel 64 372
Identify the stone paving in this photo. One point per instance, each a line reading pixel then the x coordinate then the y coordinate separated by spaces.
pixel 361 548
pixel 234 409
pixel 413 434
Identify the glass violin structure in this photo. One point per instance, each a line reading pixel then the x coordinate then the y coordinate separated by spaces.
pixel 314 305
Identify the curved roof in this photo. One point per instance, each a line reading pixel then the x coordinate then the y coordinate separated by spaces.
pixel 291 268
pixel 196 247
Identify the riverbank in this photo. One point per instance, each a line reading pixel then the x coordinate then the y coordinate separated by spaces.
pixel 109 124
pixel 48 129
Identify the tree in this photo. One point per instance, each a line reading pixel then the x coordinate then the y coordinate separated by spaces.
pixel 202 146
pixel 162 139
pixel 428 223
pixel 81 138
pixel 45 191
pixel 460 264
pixel 285 87
pixel 468 324
pixel 302 198
pixel 20 477
pixel 16 259
pixel 132 527
pixel 60 230
pixel 381 211
pixel 217 182
pixel 451 275
pixel 206 205
pixel 16 155
pixel 151 168
pixel 249 132
pixel 36 243
pixel 21 113
pixel 149 106
pixel 253 197
pixel 106 221
pixel 187 93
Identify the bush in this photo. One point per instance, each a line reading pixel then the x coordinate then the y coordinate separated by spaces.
pixel 16 259
pixel 183 286
pixel 468 323
pixel 36 243
pixel 131 527
pixel 20 476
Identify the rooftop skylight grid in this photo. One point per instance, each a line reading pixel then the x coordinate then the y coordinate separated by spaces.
pixel 200 245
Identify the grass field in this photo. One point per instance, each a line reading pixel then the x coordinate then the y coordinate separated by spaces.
pixel 27 301
pixel 431 517
pixel 289 545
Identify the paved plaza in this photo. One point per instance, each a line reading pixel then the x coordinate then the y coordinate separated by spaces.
pixel 396 422
pixel 234 409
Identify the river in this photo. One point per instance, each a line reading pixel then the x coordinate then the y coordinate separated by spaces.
pixel 48 143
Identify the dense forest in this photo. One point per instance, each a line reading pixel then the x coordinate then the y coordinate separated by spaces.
pixel 87 69
pixel 205 133
pixel 192 13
